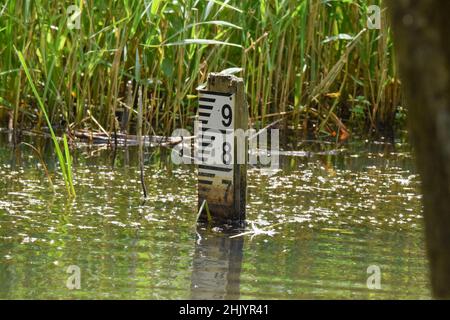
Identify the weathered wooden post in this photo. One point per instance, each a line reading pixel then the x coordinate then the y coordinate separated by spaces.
pixel 222 150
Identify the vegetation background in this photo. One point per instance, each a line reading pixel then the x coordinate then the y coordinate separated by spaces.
pixel 312 62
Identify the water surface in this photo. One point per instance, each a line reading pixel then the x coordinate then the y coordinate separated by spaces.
pixel 315 226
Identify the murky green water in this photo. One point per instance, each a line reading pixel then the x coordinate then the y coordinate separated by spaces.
pixel 327 218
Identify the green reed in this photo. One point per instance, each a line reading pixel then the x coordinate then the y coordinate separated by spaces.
pixel 293 54
pixel 65 160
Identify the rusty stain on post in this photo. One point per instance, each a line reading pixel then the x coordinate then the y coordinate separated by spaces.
pixel 223 108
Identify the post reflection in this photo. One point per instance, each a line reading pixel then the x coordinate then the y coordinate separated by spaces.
pixel 217 265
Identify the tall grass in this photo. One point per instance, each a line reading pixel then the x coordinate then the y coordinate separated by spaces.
pixel 294 55
pixel 65 159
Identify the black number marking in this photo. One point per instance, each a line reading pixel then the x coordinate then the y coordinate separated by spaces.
pixel 226 115
pixel 226 153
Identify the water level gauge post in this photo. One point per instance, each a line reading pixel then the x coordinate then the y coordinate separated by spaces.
pixel 222 149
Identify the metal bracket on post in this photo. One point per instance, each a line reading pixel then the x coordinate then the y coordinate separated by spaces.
pixel 222 149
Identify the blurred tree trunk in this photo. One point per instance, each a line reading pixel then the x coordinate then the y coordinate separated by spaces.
pixel 422 33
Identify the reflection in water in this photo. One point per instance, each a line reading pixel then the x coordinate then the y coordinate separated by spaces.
pixel 217 265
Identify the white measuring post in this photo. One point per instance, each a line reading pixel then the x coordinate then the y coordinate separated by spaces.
pixel 222 149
